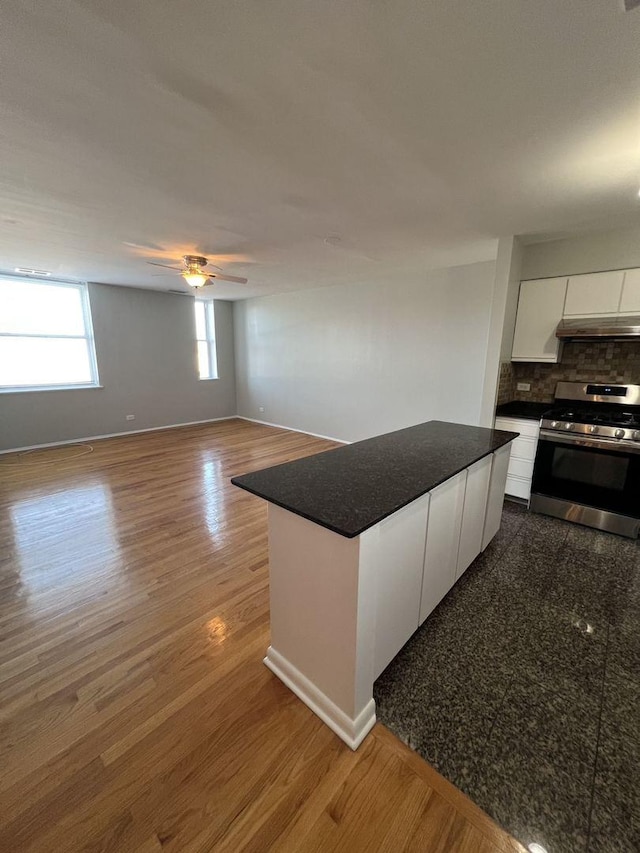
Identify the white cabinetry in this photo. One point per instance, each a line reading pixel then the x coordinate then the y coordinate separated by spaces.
pixel 495 498
pixel 523 454
pixel 419 552
pixel 540 306
pixel 399 555
pixel 474 512
pixel 630 302
pixel 443 539
pixel 594 294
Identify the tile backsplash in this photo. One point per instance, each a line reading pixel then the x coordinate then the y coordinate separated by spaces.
pixel 582 361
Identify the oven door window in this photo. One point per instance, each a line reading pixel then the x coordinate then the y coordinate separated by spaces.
pixel 584 475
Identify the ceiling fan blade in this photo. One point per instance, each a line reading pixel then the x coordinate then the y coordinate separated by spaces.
pixel 235 278
pixel 166 266
pixel 216 267
pixel 156 274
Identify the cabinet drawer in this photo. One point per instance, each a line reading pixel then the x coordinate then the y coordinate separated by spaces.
pixel 518 487
pixel 524 448
pixel 524 427
pixel 521 468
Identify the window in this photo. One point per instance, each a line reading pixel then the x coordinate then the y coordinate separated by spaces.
pixel 206 339
pixel 46 339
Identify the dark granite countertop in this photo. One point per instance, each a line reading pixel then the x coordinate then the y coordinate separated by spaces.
pixel 351 488
pixel 523 409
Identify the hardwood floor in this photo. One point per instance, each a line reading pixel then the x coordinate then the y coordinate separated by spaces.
pixel 135 711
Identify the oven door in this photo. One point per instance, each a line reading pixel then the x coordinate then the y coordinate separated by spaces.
pixel 592 472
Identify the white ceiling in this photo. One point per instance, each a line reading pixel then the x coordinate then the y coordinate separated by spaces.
pixel 417 131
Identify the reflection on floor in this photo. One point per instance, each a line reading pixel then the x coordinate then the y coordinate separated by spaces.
pixel 523 686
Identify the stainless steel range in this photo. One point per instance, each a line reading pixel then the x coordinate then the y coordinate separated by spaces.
pixel 587 466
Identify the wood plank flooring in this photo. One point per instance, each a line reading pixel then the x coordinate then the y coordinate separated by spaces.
pixel 135 711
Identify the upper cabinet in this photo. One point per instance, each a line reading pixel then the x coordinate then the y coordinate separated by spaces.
pixel 630 302
pixel 594 295
pixel 540 306
pixel 544 302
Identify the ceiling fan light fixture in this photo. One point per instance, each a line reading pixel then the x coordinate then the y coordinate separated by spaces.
pixel 195 279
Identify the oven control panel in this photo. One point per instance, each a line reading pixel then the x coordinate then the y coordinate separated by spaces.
pixel 598 430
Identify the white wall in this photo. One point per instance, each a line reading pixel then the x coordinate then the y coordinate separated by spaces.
pixel 503 320
pixel 146 360
pixel 359 360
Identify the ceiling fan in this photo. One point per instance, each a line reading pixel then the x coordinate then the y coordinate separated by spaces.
pixel 195 274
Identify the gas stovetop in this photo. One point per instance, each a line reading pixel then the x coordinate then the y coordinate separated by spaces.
pixel 610 412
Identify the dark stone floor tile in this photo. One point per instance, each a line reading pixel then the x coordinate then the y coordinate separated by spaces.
pixel 604 544
pixel 621 705
pixel 460 759
pixel 617 776
pixel 502 688
pixel 588 588
pixel 620 572
pixel 537 803
pixel 538 768
pixel 433 658
pixel 623 657
pixel 543 532
pixel 497 546
pixel 477 588
pixel 565 652
pixel 543 725
pixel 612 830
pixel 434 713
pixel 523 566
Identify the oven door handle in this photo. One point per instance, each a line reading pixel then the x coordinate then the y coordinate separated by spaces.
pixel 598 443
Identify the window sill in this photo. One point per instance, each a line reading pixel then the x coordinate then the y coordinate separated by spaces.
pixel 38 388
pixel 208 378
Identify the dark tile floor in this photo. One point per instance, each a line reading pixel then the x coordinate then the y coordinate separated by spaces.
pixel 523 686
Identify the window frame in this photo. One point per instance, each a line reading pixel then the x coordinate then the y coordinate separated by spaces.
pixel 88 337
pixel 210 340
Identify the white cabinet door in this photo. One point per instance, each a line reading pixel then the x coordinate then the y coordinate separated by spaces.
pixel 497 486
pixel 399 557
pixel 540 306
pixel 474 512
pixel 596 293
pixel 630 302
pixel 443 539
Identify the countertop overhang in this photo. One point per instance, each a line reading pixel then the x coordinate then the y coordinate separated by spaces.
pixel 351 488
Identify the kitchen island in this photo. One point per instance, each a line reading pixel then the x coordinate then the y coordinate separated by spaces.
pixel 364 541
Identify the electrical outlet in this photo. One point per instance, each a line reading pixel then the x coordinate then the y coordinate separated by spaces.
pixel 130 417
pixel 261 409
pixel 523 386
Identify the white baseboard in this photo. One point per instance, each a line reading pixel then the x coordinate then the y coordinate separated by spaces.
pixel 351 731
pixel 116 434
pixel 292 429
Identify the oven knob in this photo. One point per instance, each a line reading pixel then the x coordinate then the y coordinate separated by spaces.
pixel 594 429
pixel 569 426
pixel 554 424
pixel 636 435
pixel 619 433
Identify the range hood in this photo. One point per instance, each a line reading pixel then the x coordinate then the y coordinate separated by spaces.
pixel 599 328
